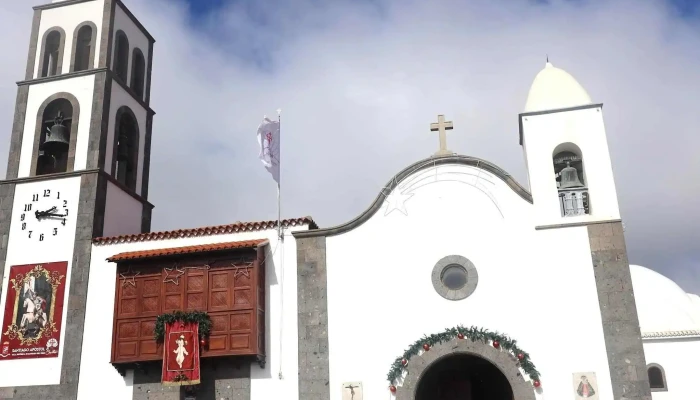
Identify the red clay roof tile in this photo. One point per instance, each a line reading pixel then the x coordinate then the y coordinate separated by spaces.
pixel 206 231
pixel 138 255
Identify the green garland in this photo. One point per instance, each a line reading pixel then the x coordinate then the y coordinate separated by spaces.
pixel 475 335
pixel 199 317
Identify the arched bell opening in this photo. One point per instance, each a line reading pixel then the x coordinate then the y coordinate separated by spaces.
pixel 570 179
pixel 55 132
pixel 84 39
pixel 138 72
pixel 463 377
pixel 51 61
pixel 121 56
pixel 126 148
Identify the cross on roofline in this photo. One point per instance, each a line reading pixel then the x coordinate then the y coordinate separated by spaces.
pixel 441 126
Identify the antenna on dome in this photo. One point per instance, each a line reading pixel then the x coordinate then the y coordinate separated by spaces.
pixel 547 55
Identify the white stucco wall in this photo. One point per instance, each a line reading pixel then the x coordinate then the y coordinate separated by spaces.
pixel 678 357
pixel 98 376
pixel 121 98
pixel 584 128
pixel 381 298
pixel 122 212
pixel 68 18
pixel 24 250
pixel 82 88
pixel 137 39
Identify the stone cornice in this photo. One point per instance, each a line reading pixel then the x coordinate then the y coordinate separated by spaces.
pixel 671 334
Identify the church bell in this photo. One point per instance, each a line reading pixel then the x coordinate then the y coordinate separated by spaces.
pixel 569 177
pixel 57 137
pixel 122 148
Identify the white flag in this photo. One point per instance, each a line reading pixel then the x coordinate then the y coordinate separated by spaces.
pixel 269 141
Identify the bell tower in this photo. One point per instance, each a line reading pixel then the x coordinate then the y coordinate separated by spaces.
pixel 573 192
pixel 566 151
pixel 78 168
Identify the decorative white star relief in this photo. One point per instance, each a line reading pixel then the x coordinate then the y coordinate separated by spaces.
pixel 175 279
pixel 396 199
pixel 130 279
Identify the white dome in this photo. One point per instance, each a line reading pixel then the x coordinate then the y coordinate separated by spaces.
pixel 554 88
pixel 662 305
pixel 696 300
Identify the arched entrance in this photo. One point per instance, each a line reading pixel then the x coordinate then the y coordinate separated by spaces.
pixel 463 377
pixel 461 366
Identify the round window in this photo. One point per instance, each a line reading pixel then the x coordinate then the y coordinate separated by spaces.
pixel 454 277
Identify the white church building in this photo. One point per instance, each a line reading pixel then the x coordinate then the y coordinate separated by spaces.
pixel 457 282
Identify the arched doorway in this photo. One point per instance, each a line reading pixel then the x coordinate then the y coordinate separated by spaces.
pixel 464 365
pixel 463 377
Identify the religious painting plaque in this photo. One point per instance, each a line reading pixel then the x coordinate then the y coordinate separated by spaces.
pixel 181 354
pixel 585 386
pixel 352 391
pixel 33 311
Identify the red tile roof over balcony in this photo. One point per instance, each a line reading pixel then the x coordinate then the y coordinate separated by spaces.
pixel 174 251
pixel 206 231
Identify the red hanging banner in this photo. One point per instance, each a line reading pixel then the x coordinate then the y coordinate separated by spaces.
pixel 181 354
pixel 31 326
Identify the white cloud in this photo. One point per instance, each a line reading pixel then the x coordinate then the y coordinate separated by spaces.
pixel 359 83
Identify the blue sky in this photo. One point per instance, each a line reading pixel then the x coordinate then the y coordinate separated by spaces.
pixel 199 8
pixel 359 82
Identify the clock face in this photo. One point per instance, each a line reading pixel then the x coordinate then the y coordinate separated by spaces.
pixel 42 214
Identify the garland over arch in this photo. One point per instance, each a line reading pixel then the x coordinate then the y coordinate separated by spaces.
pixel 474 334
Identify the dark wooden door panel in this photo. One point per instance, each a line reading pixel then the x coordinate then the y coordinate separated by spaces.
pixel 231 291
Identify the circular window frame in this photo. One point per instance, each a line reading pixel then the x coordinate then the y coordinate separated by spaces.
pixel 466 290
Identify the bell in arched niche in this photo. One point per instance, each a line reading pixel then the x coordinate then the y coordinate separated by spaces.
pixel 123 148
pixel 57 137
pixel 569 177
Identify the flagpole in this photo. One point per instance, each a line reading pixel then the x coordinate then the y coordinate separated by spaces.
pixel 280 237
pixel 279 178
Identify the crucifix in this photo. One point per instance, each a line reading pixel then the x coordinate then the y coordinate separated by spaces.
pixel 441 126
pixel 352 390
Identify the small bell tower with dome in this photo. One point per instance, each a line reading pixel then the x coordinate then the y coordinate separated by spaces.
pixel 566 151
pixel 573 192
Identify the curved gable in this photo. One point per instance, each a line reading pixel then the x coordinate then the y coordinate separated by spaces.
pixel 412 170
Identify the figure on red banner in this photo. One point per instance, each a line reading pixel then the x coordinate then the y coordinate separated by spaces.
pixel 181 354
pixel 34 317
pixel 585 389
pixel 180 351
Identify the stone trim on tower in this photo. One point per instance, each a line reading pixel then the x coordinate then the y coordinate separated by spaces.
pixel 73 130
pixel 17 135
pixel 7 197
pixel 149 69
pixel 99 123
pixel 146 170
pixel 532 113
pixel 618 310
pixel 33 43
pixel 107 34
pixel 59 4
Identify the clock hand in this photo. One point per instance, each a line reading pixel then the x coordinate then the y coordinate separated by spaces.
pixel 55 215
pixel 48 212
